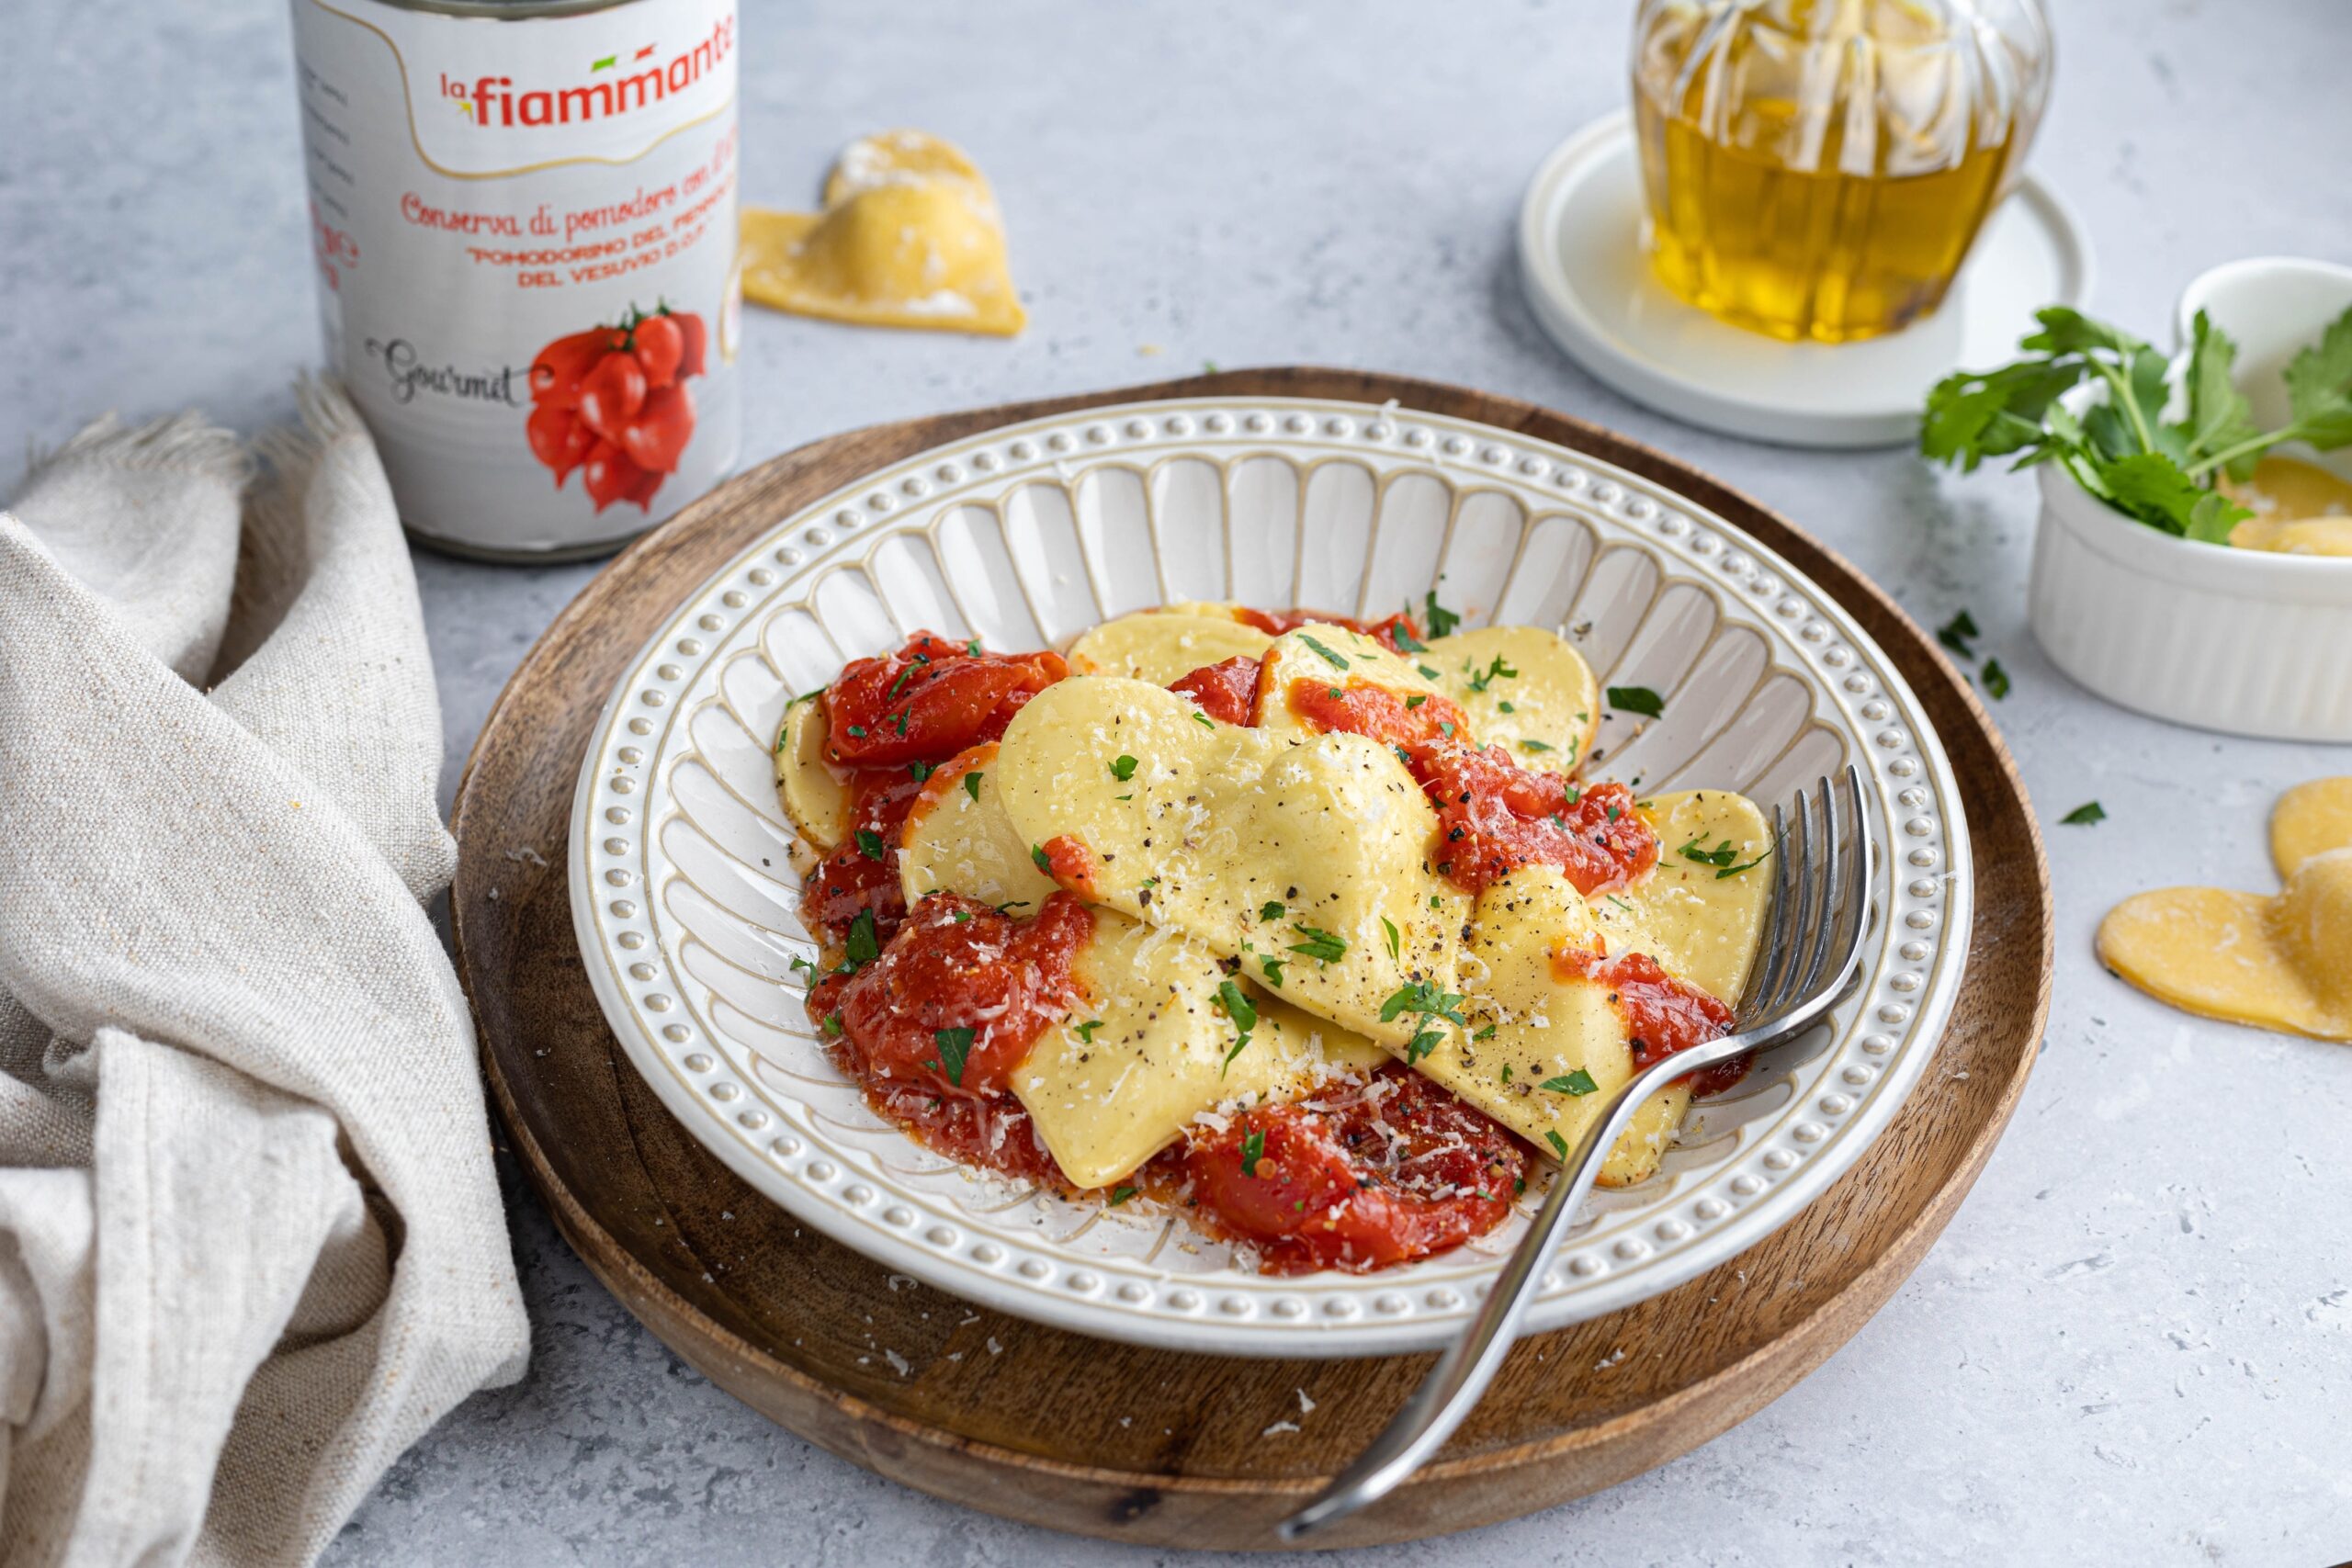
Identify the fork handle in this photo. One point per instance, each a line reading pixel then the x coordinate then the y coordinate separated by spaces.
pixel 1452 1388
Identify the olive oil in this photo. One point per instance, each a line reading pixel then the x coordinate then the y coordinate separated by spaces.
pixel 1819 168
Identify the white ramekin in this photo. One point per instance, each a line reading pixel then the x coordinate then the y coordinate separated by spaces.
pixel 2242 641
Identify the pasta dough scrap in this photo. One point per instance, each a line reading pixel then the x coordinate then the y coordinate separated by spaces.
pixel 1307 851
pixel 910 237
pixel 2283 963
pixel 814 798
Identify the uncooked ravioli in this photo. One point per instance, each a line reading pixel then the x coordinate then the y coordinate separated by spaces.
pixel 910 237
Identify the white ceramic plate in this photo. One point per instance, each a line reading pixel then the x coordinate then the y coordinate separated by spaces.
pixel 683 896
pixel 1582 264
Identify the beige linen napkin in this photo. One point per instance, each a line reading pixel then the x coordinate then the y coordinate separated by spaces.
pixel 251 1244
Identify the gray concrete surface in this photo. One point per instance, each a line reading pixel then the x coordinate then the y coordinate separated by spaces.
pixel 2135 1343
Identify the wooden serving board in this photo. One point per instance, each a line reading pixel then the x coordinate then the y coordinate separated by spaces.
pixel 1140 1445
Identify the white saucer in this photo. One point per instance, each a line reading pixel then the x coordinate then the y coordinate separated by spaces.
pixel 1588 282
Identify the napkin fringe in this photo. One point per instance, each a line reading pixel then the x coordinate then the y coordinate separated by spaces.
pixel 185 441
pixel 274 555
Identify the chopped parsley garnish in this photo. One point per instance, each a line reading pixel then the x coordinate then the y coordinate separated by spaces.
pixel 1721 855
pixel 1403 632
pixel 1123 768
pixel 1320 945
pixel 1120 1195
pixel 972 783
pixel 806 969
pixel 1086 1031
pixel 901 725
pixel 2083 816
pixel 1534 746
pixel 1388 926
pixel 1505 707
pixel 1202 719
pixel 1481 1035
pixel 1253 1149
pixel 1559 1144
pixel 1442 620
pixel 921 771
pixel 859 949
pixel 1577 1082
pixel 973 648
pixel 1954 634
pixel 869 844
pixel 804 697
pixel 1997 680
pixel 1745 865
pixel 1337 661
pixel 954 1045
pixel 1500 669
pixel 1272 910
pixel 857 732
pixel 1012 904
pixel 833 1024
pixel 1429 675
pixel 1239 1008
pixel 1037 853
pixel 1432 1003
pixel 904 676
pixel 1417 699
pixel 1636 699
pixel 1273 968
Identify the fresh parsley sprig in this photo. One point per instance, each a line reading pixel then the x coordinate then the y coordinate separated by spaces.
pixel 2122 449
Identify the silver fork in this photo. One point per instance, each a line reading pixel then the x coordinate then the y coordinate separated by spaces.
pixel 1812 955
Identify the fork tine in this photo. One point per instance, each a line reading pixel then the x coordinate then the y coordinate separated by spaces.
pixel 1764 979
pixel 1823 931
pixel 1854 900
pixel 1803 910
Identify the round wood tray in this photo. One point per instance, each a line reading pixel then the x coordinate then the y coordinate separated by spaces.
pixel 1149 1446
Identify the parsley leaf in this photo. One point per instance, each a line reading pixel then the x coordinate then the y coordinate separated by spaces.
pixel 1997 680
pixel 1044 863
pixel 921 771
pixel 1253 1149
pixel 1202 719
pixel 954 1045
pixel 1636 699
pixel 1402 632
pixel 1237 1006
pixel 1577 1082
pixel 1389 926
pixel 1123 768
pixel 860 949
pixel 1273 968
pixel 1120 1195
pixel 869 844
pixel 1442 621
pixel 1954 634
pixel 1337 661
pixel 1534 746
pixel 1270 910
pixel 1559 1144
pixel 1320 945
pixel 1086 1031
pixel 2083 816
pixel 972 783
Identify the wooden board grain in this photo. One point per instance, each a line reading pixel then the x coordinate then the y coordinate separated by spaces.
pixel 1137 1444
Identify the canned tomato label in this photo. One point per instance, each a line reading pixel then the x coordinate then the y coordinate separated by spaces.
pixel 524 227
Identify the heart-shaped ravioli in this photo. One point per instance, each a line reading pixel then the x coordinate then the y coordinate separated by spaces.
pixel 2282 962
pixel 1304 857
pixel 1700 911
pixel 1517 687
pixel 815 799
pixel 1164 646
pixel 1162 1032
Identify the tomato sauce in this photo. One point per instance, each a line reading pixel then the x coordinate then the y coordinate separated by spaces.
pixel 1663 1015
pixel 929 700
pixel 862 871
pixel 1493 814
pixel 1226 691
pixel 1398 633
pixel 933 1026
pixel 1071 863
pixel 1382 1171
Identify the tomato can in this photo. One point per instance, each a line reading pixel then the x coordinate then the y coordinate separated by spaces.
pixel 523 213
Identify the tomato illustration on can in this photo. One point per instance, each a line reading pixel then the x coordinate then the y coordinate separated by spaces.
pixel 612 402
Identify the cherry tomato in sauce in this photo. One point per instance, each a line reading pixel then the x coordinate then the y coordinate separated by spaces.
pixel 1378 1171
pixel 930 700
pixel 1226 691
pixel 862 871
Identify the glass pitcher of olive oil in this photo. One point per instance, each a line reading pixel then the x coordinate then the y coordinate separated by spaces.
pixel 1819 168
